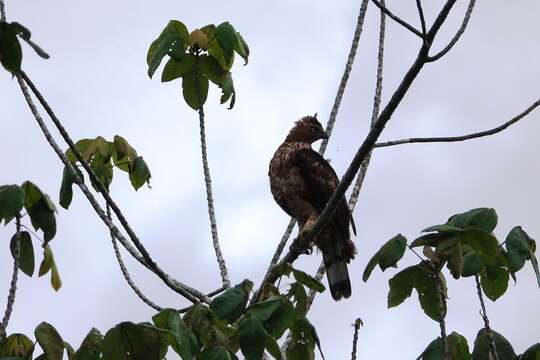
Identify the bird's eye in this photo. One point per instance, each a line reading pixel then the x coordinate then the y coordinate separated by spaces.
pixel 314 130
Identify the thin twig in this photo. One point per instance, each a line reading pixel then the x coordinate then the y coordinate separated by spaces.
pixel 329 127
pixel 462 137
pixel 357 325
pixel 125 272
pixel 456 37
pixel 14 278
pixel 300 243
pixel 375 111
pixel 441 300
pixel 23 79
pixel 492 347
pixel 398 20
pixel 422 18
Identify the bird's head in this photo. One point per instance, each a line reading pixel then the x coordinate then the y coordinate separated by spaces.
pixel 308 129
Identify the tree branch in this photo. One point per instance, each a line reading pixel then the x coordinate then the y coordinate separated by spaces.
pixel 422 18
pixel 125 272
pixel 462 137
pixel 398 20
pixel 22 78
pixel 492 347
pixel 357 325
pixel 329 128
pixel 456 37
pixel 14 278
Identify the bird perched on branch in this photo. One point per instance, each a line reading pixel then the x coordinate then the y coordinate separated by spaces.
pixel 302 182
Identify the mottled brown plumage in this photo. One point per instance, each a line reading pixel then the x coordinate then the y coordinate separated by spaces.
pixel 302 182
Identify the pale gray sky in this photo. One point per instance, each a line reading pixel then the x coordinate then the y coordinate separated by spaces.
pixel 96 81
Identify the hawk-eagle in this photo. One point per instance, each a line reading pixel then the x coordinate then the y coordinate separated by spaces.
pixel 302 182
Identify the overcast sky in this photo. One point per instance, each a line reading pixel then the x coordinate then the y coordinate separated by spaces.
pixel 96 81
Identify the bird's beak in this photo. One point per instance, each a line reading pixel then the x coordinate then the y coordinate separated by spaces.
pixel 324 136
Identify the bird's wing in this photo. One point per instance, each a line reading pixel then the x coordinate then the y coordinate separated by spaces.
pixel 322 180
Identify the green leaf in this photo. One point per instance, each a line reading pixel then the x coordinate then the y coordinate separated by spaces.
pixel 472 262
pixel 300 297
pixel 102 167
pixel 26 254
pixel 428 239
pixel 242 48
pixel 216 50
pixel 140 173
pixel 48 260
pixel 227 38
pixel 129 341
pixel 50 341
pixel 230 305
pixel 486 245
pixel 21 30
pixel 123 154
pixel 517 245
pixel 494 281
pixel 11 201
pixel 210 67
pixel 177 68
pixel 272 347
pixel 308 280
pixel 173 40
pixel 10 48
pixel 180 338
pixel 458 349
pixel 41 210
pixel 304 339
pixel 481 346
pixel 387 256
pixel 69 350
pixel 227 87
pixel 56 281
pixel 91 346
pixel 275 313
pixel 282 269
pixel 66 189
pixel 483 219
pixel 194 89
pixel 532 353
pixel 16 346
pixel 216 353
pixel 252 338
pixel 424 282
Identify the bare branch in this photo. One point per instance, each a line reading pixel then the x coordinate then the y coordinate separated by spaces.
pixel 375 112
pixel 2 11
pixel 22 78
pixel 210 201
pixel 357 325
pixel 14 279
pixel 457 36
pixel 462 137
pixel 422 18
pixel 492 347
pixel 125 272
pixel 398 20
pixel 329 127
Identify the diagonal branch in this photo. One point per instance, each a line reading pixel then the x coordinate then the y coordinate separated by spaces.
pixel 398 20
pixel 422 18
pixel 475 135
pixel 329 126
pixel 23 79
pixel 14 278
pixel 125 272
pixel 456 37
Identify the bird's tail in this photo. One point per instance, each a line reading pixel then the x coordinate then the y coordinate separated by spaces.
pixel 337 273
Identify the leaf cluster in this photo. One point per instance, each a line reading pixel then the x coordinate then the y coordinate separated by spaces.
pixel 202 56
pixel 103 155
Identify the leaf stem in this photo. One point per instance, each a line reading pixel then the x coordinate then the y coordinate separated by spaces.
pixel 441 300
pixel 357 325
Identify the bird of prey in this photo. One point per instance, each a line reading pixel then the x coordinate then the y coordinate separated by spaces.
pixel 302 182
